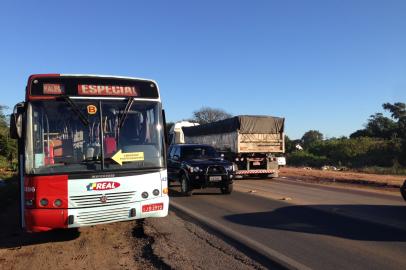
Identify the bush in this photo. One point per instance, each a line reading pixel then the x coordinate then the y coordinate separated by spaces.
pixel 304 158
pixel 358 152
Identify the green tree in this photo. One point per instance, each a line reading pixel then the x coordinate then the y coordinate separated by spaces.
pixel 289 145
pixel 378 126
pixel 311 137
pixel 8 146
pixel 398 112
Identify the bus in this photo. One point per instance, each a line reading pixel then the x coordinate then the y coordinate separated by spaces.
pixel 91 150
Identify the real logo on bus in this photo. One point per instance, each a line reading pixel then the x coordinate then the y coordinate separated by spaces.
pixel 105 185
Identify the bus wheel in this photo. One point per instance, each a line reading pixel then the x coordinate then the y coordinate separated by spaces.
pixel 227 189
pixel 185 185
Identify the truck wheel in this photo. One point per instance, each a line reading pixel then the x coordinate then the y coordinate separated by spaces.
pixel 227 189
pixel 185 185
pixel 403 190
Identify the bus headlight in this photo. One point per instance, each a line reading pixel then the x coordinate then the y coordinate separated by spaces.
pixel 155 192
pixel 144 195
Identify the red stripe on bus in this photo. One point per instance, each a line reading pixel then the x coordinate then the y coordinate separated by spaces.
pixel 50 188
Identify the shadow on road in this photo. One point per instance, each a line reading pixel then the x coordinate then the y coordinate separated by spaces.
pixel 174 191
pixel 307 219
pixel 11 236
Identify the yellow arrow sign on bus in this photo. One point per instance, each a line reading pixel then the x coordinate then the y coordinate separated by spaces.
pixel 121 157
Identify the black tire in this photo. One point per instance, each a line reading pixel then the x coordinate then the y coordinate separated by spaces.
pixel 227 189
pixel 403 190
pixel 185 185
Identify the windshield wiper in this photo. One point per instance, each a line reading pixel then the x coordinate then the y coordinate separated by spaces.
pixel 76 109
pixel 125 112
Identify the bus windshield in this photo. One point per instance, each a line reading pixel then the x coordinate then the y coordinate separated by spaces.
pixel 79 135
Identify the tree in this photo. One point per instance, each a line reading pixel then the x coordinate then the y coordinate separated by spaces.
pixel 290 145
pixel 397 110
pixel 378 126
pixel 207 115
pixel 311 137
pixel 8 146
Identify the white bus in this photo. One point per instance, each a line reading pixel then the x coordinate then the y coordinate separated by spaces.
pixel 91 151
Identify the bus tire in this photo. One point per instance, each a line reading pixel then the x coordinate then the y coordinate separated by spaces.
pixel 227 189
pixel 185 185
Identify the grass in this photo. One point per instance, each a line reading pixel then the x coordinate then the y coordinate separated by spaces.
pixel 383 170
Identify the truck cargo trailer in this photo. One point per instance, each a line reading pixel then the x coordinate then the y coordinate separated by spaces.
pixel 252 142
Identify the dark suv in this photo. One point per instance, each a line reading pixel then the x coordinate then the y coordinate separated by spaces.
pixel 198 166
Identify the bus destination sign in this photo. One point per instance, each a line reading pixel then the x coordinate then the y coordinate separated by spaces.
pixel 106 90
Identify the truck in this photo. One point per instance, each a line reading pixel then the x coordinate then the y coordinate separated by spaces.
pixel 252 142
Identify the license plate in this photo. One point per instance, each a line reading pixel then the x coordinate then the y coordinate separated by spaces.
pixel 152 207
pixel 215 178
pixel 257 163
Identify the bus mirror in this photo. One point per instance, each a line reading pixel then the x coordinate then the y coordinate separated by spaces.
pixel 16 121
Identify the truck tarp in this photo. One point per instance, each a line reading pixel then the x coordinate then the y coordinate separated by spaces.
pixel 243 124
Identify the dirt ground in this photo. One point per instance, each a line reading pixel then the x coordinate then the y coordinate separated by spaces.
pixel 376 180
pixel 164 243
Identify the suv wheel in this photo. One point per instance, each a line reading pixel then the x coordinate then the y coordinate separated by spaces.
pixel 227 189
pixel 185 185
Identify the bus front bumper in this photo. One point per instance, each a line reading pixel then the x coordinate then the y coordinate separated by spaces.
pixel 40 220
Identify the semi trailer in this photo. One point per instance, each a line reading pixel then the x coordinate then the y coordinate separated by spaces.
pixel 251 142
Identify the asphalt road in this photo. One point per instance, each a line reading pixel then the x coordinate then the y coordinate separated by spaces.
pixel 307 225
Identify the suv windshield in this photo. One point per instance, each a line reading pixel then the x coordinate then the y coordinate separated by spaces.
pixel 202 152
pixel 93 135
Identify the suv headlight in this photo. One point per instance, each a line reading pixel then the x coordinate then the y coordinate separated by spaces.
pixel 193 169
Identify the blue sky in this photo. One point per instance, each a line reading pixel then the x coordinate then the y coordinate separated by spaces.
pixel 324 65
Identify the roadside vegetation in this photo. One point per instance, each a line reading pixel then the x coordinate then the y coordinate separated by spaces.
pixel 8 147
pixel 8 163
pixel 380 147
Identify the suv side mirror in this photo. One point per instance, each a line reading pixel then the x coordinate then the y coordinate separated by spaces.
pixel 176 157
pixel 16 121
